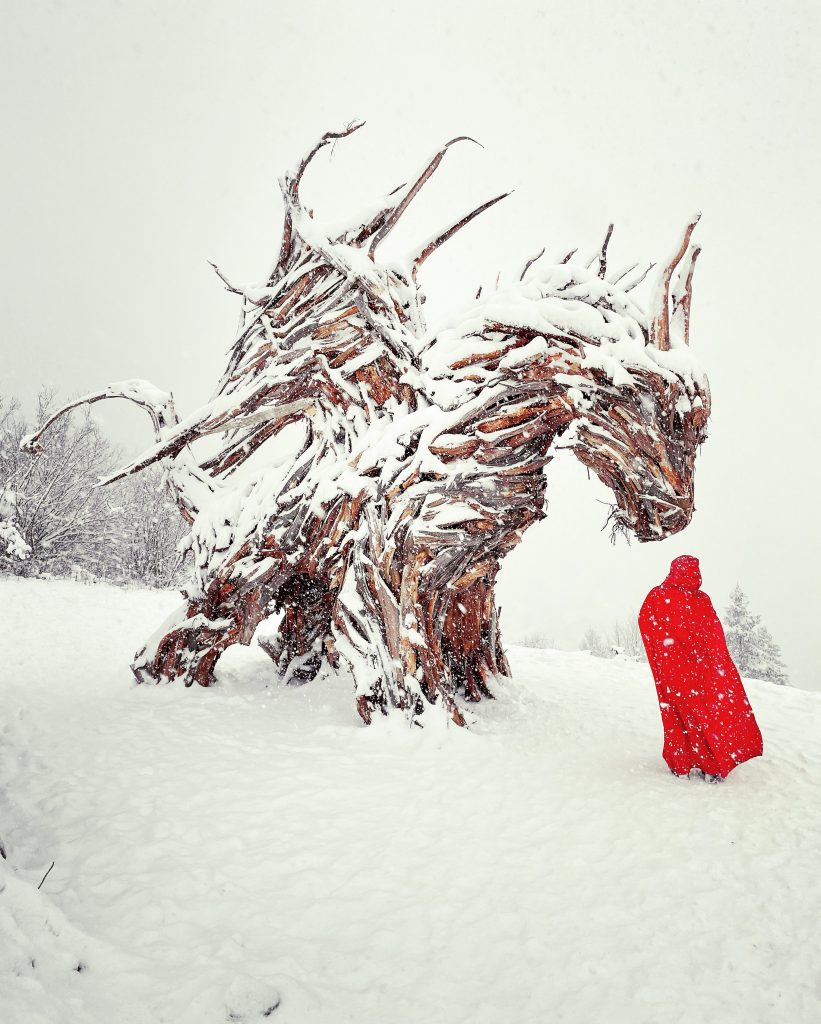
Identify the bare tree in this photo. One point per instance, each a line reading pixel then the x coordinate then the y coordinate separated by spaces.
pixel 54 518
pixel 423 452
pixel 625 636
pixel 538 640
pixel 594 642
pixel 148 532
pixel 66 523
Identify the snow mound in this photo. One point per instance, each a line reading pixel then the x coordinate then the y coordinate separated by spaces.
pixel 251 852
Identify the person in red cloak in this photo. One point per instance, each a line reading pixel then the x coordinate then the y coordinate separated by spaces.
pixel 708 722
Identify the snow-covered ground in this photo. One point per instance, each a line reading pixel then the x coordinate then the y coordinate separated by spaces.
pixel 221 852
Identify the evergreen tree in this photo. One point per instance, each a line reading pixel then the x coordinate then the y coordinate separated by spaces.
pixel 740 629
pixel 751 645
pixel 771 667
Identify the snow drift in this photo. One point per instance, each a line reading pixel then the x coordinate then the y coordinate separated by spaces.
pixel 251 853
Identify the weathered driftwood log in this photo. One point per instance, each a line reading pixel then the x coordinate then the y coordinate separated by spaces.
pixel 422 457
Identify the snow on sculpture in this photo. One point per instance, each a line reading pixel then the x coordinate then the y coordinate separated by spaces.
pixel 422 454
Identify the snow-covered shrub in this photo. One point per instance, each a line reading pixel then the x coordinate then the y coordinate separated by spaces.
pixel 12 545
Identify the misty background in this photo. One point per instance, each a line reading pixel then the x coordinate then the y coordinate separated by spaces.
pixel 143 139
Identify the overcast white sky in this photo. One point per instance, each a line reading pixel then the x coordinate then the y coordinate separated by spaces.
pixel 142 139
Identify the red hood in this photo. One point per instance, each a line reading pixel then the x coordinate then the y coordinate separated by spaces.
pixel 684 572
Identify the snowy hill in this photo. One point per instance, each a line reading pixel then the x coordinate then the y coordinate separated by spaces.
pixel 226 854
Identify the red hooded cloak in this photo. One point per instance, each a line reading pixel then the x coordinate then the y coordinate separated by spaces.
pixel 708 722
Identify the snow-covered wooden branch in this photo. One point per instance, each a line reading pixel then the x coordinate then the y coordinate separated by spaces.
pixel 423 452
